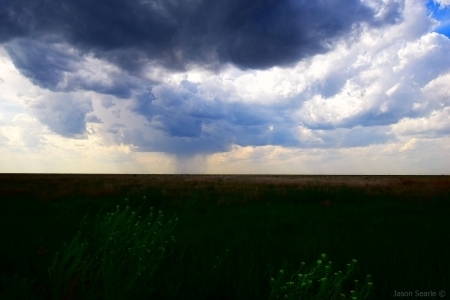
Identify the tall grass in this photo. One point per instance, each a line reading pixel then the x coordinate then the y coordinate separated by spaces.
pixel 319 283
pixel 124 249
pixel 267 223
pixel 120 256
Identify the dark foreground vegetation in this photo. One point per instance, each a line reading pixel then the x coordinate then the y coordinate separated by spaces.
pixel 222 237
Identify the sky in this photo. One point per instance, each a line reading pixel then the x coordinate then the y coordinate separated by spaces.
pixel 225 86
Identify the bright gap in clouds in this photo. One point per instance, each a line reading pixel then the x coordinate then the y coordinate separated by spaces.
pixel 440 10
pixel 278 87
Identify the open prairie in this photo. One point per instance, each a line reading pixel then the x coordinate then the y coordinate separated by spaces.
pixel 233 235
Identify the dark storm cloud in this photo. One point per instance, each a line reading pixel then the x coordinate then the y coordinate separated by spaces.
pixel 40 62
pixel 183 122
pixel 248 33
pixel 63 114
pixel 173 145
pixel 55 66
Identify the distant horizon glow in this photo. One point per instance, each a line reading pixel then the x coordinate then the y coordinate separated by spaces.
pixel 230 87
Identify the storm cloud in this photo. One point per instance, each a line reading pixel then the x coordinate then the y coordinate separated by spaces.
pixel 59 67
pixel 196 81
pixel 175 34
pixel 64 114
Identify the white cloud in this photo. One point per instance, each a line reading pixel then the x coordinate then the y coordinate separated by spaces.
pixel 437 92
pixel 437 122
pixel 409 145
pixel 23 133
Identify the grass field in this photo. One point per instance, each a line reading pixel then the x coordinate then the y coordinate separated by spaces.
pixel 222 237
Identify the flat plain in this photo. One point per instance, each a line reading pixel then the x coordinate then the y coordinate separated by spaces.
pixel 235 232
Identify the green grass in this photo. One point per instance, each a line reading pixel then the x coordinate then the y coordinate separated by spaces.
pixel 320 282
pixel 224 252
pixel 119 254
pixel 119 257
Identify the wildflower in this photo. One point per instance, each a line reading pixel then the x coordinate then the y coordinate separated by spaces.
pixel 281 271
pixel 319 262
pixel 324 255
